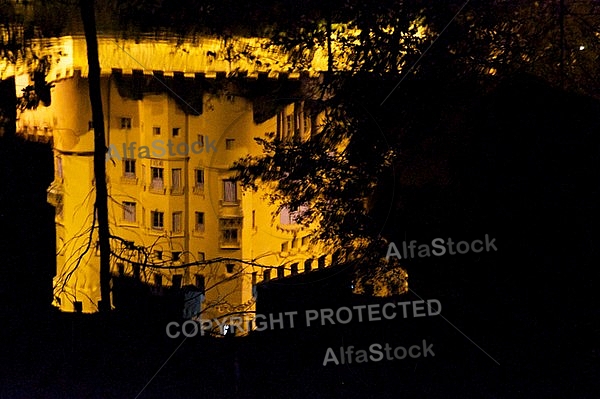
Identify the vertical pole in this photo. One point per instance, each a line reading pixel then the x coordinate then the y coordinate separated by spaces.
pixel 101 205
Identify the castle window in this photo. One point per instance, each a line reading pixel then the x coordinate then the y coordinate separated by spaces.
pixel 129 167
pixel 129 211
pixel 176 186
pixel 199 181
pixel 158 220
pixel 230 232
pixel 200 221
pixel 177 216
pixel 125 123
pixel 229 191
pixel 157 178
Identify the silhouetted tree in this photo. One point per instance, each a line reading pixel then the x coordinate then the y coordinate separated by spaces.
pixel 101 205
pixel 403 67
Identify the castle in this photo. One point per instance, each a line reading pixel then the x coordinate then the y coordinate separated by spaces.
pixel 178 219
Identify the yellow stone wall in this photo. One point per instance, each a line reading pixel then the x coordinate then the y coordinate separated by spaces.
pixel 261 236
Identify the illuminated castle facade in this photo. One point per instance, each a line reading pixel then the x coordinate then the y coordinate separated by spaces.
pixel 177 217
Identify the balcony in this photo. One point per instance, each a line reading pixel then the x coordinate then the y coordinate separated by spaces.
pixel 157 186
pixel 230 233
pixel 198 189
pixel 231 243
pixel 231 211
pixel 230 203
pixel 157 230
pixel 129 178
pixel 174 233
pixel 177 190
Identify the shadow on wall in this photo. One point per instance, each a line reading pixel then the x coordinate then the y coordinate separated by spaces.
pixel 28 244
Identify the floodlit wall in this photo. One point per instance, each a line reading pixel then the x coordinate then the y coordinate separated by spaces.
pixel 235 224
